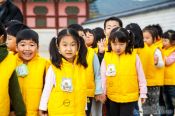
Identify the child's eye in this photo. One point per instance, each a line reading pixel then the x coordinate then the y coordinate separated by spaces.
pixel 73 44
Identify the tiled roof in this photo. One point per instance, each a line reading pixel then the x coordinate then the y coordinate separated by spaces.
pixel 106 8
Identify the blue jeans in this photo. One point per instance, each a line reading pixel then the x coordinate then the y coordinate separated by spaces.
pixel 169 98
pixel 136 109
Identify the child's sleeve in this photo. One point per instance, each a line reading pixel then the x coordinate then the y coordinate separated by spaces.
pixel 103 75
pixel 16 96
pixel 158 54
pixel 141 78
pixel 170 59
pixel 49 83
pixel 98 79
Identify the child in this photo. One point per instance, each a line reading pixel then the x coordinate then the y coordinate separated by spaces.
pixel 141 49
pixel 90 40
pixel 94 81
pixel 100 39
pixel 31 69
pixel 109 24
pixel 169 84
pixel 64 92
pixel 124 74
pixel 12 31
pixel 155 72
pixel 10 90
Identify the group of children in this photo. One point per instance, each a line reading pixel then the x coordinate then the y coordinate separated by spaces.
pixel 90 71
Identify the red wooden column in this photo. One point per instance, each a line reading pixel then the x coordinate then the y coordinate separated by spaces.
pixel 24 3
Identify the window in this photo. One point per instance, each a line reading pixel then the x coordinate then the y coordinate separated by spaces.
pixel 72 10
pixel 40 22
pixel 40 10
pixel 71 21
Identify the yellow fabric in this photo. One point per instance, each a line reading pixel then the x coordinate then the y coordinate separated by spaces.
pixel 96 50
pixel 90 73
pixel 7 67
pixel 154 75
pixel 169 70
pixel 159 44
pixel 68 103
pixel 143 54
pixel 31 85
pixel 123 87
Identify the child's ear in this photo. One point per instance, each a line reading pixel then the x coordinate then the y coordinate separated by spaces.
pixel 17 48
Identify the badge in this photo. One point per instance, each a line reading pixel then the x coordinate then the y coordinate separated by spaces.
pixel 111 70
pixel 22 70
pixel 66 84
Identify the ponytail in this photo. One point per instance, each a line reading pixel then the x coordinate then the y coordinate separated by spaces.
pixel 55 56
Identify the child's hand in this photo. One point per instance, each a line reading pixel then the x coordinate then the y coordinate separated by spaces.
pixel 43 113
pixel 156 59
pixel 101 98
pixel 143 100
pixel 101 45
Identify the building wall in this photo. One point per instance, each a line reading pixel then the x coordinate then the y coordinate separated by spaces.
pixel 164 17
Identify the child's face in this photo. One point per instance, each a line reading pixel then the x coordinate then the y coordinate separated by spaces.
pixel 89 39
pixel 68 48
pixel 27 50
pixel 118 47
pixel 109 26
pixel 148 38
pixel 82 34
pixel 166 43
pixel 11 43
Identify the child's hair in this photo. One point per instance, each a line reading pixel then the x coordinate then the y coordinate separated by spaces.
pixel 76 27
pixel 138 34
pixel 3 32
pixel 122 35
pixel 152 30
pixel 94 44
pixel 56 57
pixel 99 34
pixel 159 29
pixel 170 34
pixel 113 19
pixel 27 34
pixel 15 28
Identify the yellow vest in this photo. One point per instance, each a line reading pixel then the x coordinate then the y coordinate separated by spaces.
pixel 159 44
pixel 90 78
pixel 7 67
pixel 143 54
pixel 123 87
pixel 154 75
pixel 169 70
pixel 73 103
pixel 31 85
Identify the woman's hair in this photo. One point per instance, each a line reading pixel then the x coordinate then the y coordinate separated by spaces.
pixel 152 30
pixel 123 36
pixel 3 32
pixel 94 44
pixel 56 57
pixel 170 34
pixel 99 34
pixel 138 34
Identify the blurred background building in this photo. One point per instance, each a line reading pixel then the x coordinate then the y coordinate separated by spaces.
pixel 48 16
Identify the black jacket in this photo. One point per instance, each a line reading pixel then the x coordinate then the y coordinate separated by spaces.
pixel 8 12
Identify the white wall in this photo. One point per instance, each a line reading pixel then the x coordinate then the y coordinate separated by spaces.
pixel 164 17
pixel 45 36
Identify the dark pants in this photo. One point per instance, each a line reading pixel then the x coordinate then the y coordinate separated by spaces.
pixel 151 106
pixel 106 107
pixel 89 105
pixel 162 103
pixel 121 109
pixel 169 97
pixel 136 109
